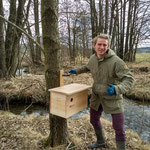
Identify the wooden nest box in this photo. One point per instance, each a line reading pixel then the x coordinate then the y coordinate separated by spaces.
pixel 68 100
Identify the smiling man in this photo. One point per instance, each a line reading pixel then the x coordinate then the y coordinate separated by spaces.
pixel 101 46
pixel 112 78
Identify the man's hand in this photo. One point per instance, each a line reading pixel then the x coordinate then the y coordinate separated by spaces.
pixel 73 71
pixel 111 90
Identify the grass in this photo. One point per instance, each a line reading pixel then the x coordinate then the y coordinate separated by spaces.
pixel 142 57
pixel 141 88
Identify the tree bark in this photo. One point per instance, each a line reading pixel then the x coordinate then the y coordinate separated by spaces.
pixel 10 34
pixel 31 44
pixel 101 19
pixel 93 20
pixel 49 10
pixel 112 17
pixel 74 31
pixel 126 54
pixel 37 31
pixel 106 16
pixel 2 45
pixel 15 48
pixel 122 31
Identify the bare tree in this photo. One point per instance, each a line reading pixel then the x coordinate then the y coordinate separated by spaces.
pixel 106 16
pixel 101 26
pixel 37 32
pixel 94 20
pixel 49 9
pixel 13 36
pixel 2 45
pixel 126 54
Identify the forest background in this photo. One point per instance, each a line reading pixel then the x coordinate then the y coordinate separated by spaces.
pixel 127 22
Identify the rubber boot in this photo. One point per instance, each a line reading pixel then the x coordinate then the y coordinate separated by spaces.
pixel 120 145
pixel 100 140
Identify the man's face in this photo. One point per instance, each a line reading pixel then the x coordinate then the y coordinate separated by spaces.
pixel 101 47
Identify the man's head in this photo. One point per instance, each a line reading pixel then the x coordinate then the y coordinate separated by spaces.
pixel 101 44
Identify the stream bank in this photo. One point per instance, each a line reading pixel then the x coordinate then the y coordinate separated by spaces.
pixel 137 115
pixel 32 87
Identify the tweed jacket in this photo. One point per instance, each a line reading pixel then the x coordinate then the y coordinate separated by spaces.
pixel 105 71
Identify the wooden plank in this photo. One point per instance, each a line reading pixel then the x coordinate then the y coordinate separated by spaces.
pixel 76 103
pixel 71 88
pixel 57 104
pixel 61 78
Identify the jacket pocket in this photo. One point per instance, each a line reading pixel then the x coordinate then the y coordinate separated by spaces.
pixel 94 97
pixel 112 105
pixel 100 89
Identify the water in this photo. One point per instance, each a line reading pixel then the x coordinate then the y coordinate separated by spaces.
pixel 137 116
pixel 36 110
pixel 20 72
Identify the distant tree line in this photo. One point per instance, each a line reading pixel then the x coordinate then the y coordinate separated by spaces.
pixel 143 50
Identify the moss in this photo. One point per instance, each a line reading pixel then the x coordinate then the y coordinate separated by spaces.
pixel 47 142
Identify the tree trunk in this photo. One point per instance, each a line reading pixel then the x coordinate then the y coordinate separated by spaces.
pixel 10 34
pixel 37 31
pixel 93 20
pixel 106 16
pixel 74 41
pixel 101 27
pixel 122 32
pixel 49 10
pixel 15 48
pixel 2 45
pixel 112 17
pixel 126 54
pixel 31 44
pixel 133 31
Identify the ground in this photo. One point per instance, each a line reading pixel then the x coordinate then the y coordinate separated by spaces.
pixel 29 133
pixel 30 85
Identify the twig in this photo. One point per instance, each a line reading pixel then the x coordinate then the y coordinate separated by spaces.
pixel 68 146
pixel 29 36
pixel 142 120
pixel 72 147
pixel 26 87
pixel 27 107
pixel 7 103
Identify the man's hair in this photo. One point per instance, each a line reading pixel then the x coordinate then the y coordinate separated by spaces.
pixel 103 36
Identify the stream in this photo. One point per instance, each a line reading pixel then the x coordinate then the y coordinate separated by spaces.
pixel 137 118
pixel 137 115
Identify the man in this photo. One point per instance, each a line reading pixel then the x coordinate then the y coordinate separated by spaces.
pixel 112 78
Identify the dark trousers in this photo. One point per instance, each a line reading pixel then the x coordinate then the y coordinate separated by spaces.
pixel 117 122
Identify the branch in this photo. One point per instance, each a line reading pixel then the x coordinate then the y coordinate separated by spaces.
pixel 23 32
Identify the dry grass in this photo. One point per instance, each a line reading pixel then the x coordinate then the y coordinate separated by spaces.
pixel 22 133
pixel 141 90
pixel 22 87
pixel 34 85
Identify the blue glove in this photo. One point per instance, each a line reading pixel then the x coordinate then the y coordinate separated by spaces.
pixel 111 90
pixel 73 71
